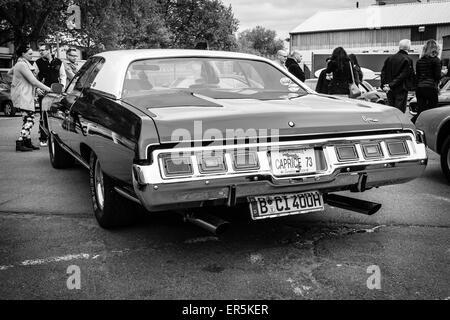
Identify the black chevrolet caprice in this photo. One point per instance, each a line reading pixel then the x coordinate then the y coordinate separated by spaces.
pixel 182 129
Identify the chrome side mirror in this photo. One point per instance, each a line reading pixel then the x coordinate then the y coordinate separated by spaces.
pixel 57 88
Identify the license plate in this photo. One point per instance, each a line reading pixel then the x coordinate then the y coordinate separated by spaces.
pixel 284 204
pixel 293 161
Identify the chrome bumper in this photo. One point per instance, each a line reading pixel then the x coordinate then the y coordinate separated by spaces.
pixel 157 193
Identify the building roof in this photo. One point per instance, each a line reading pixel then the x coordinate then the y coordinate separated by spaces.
pixel 400 15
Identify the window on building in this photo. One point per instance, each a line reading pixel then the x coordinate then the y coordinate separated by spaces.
pixel 423 33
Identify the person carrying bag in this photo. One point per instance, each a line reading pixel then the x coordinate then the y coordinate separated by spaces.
pixel 340 72
pixel 353 87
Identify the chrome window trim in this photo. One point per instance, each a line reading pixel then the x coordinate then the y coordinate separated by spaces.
pixel 266 138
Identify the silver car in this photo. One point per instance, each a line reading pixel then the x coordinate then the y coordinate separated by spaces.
pixel 435 123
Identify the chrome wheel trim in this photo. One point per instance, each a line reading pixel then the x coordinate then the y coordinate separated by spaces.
pixel 98 181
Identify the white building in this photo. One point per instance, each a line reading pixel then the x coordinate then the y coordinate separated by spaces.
pixel 374 29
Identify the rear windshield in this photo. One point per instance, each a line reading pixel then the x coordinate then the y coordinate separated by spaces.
pixel 213 77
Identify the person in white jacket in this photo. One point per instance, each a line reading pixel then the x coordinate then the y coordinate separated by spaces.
pixel 22 95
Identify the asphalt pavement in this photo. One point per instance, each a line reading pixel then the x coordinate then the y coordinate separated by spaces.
pixel 47 227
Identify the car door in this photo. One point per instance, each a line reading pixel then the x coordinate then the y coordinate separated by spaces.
pixel 61 120
pixel 68 125
pixel 75 118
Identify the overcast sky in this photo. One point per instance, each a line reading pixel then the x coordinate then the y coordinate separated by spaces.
pixel 283 15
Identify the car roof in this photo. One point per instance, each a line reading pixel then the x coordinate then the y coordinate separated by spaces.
pixel 117 62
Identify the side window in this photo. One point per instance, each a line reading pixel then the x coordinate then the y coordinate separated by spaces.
pixel 84 78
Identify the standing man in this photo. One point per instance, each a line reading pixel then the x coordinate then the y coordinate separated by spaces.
pixel 281 58
pixel 51 70
pixel 292 64
pixel 396 74
pixel 71 66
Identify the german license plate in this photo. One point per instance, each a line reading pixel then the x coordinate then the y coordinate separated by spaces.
pixel 293 161
pixel 284 204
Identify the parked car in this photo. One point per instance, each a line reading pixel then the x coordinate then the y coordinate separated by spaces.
pixel 6 105
pixel 368 93
pixel 263 138
pixel 443 98
pixel 435 123
pixel 4 76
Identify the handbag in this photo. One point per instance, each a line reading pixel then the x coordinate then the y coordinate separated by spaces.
pixel 354 91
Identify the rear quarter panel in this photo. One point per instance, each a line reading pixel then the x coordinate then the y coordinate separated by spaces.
pixel 111 130
pixel 436 125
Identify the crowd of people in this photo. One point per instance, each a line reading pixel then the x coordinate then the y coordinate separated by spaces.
pixel 31 78
pixel 343 74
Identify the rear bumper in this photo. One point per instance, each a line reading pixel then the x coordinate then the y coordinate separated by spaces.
pixel 157 194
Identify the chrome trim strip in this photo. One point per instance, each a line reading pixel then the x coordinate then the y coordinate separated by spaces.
pixel 152 174
pixel 78 158
pixel 125 194
pixel 404 131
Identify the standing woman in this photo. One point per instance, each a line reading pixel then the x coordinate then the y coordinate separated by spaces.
pixel 22 95
pixel 428 73
pixel 338 71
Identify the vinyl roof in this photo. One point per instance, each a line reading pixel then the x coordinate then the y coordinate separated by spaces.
pixel 111 76
pixel 401 15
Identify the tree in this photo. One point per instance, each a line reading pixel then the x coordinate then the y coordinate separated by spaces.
pixel 191 21
pixel 259 41
pixel 120 24
pixel 28 21
pixel 143 26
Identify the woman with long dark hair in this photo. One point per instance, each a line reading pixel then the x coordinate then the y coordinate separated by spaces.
pixel 428 73
pixel 338 70
pixel 22 95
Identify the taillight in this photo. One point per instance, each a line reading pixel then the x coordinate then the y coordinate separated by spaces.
pixel 245 161
pixel 346 153
pixel 211 163
pixel 372 150
pixel 397 148
pixel 177 165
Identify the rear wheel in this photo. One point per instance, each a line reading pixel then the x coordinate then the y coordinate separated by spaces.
pixel 8 109
pixel 445 158
pixel 110 209
pixel 59 157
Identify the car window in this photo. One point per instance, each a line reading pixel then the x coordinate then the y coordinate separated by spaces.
pixel 363 88
pixel 311 83
pixel 217 76
pixel 86 75
pixel 446 87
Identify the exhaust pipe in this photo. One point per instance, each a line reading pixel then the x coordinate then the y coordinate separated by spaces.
pixel 208 222
pixel 352 204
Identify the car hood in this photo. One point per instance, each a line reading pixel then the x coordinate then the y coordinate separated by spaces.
pixel 310 114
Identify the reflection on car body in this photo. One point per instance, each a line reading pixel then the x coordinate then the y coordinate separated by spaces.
pixel 368 93
pixel 180 129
